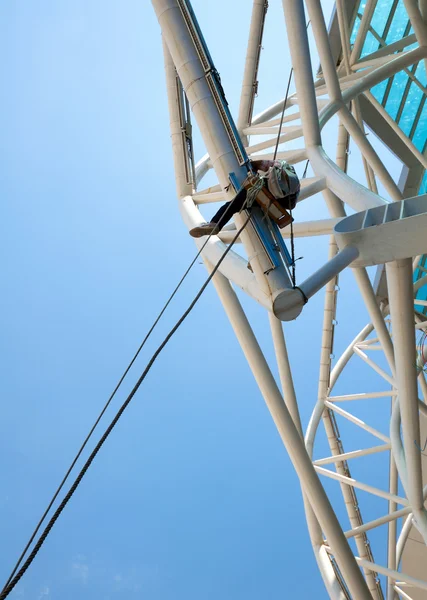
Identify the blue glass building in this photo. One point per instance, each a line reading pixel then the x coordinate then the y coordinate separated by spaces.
pixel 403 96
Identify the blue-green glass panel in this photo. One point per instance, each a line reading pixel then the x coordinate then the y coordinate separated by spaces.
pixel 380 16
pixel 379 90
pixel 398 24
pixel 420 135
pixel 412 105
pixel 422 292
pixel 421 295
pixel 420 73
pixel 395 97
pixel 371 45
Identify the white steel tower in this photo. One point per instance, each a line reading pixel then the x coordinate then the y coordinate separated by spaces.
pixel 365 228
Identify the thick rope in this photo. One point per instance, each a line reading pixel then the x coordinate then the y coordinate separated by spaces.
pixel 294 276
pixel 251 195
pixel 283 113
pixel 274 158
pixel 253 192
pixel 293 240
pixel 13 582
pixel 101 414
pixel 107 404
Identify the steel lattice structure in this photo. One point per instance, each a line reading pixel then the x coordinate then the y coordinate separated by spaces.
pixel 383 231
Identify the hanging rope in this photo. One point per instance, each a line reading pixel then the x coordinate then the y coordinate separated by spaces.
pixel 253 192
pixel 107 404
pixel 274 158
pixel 283 113
pixel 15 578
pixel 292 238
pixel 293 259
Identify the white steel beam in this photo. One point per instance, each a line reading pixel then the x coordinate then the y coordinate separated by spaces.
pixel 331 269
pixel 417 21
pixel 347 354
pixel 388 49
pixel 301 62
pixel 358 422
pixel 370 300
pixel 300 230
pixel 399 279
pixel 183 188
pixel 363 30
pixel 336 185
pixel 291 156
pixel 361 396
pixel 249 85
pixel 290 399
pixel 291 439
pixel 334 91
pixel 234 266
pixel 401 593
pixel 345 44
pixel 372 77
pixel 396 575
pixel 351 454
pixel 200 83
pixel 374 366
pixel 392 526
pixel 285 372
pixel 292 133
pixel 389 517
pixel 361 486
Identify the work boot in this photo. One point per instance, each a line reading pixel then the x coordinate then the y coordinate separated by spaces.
pixel 204 229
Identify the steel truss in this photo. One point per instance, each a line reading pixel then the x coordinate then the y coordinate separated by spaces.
pixel 342 90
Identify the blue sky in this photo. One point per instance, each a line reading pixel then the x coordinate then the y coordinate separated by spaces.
pixel 193 496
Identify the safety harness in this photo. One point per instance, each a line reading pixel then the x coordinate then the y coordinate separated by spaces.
pixel 280 182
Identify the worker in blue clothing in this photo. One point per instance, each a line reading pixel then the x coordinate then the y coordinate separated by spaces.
pixel 281 181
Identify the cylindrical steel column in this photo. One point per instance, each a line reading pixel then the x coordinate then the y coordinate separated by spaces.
pixel 292 440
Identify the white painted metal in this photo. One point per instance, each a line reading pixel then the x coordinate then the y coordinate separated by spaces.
pixel 363 396
pixel 381 110
pixel 362 486
pixel 353 454
pixel 399 278
pixel 385 233
pixel 302 229
pixel 382 231
pixel 193 75
pixel 418 583
pixel 358 422
pixel 290 437
pixel 391 516
pixel 401 593
pixel 363 30
pixel 249 85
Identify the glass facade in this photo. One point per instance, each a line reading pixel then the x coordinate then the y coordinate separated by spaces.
pixel 403 95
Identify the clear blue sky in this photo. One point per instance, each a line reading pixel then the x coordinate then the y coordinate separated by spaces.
pixel 193 496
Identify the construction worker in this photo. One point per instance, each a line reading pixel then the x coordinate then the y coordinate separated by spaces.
pixel 281 181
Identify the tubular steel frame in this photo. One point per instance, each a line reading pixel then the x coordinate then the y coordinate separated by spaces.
pixel 192 79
